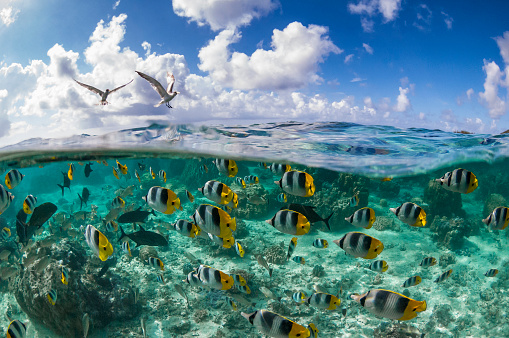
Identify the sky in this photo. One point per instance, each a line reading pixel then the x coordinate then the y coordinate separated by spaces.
pixel 423 64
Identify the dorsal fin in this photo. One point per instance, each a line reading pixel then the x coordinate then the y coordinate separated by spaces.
pixel 141 228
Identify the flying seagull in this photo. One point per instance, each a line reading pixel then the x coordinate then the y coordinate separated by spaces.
pixel 166 95
pixel 104 94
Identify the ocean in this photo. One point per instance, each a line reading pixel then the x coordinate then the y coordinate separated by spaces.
pixel 350 194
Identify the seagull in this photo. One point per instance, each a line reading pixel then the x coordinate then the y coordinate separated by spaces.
pixel 104 94
pixel 166 95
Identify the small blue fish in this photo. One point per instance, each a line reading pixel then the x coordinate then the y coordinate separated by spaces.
pixel 126 248
pixel 162 175
pixel 5 233
pixel 232 304
pixel 299 297
pixel 443 276
pixel 240 182
pixel 491 273
pixel 291 247
pixel 299 259
pixel 251 179
pixel 156 263
pixel 52 296
pixel 65 275
pixel 412 281
pixel 320 243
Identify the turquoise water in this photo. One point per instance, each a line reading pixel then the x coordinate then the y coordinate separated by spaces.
pixel 383 166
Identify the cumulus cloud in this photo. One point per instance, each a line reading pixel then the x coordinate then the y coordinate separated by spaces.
pixel 402 101
pixel 223 14
pixel 503 45
pixel 496 78
pixel 8 15
pixel 496 106
pixel 291 63
pixel 368 48
pixel 389 10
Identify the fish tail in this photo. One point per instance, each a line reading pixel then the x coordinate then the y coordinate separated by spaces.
pixel 122 233
pixel 326 220
pixel 61 187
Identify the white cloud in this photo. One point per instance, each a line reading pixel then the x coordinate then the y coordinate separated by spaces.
pixel 496 106
pixel 8 15
pixel 389 10
pixel 368 48
pixel 424 15
pixel 503 45
pixel 3 93
pixel 349 58
pixel 448 20
pixel 223 14
pixel 291 63
pixel 115 5
pixel 367 25
pixel 147 47
pixel 470 93
pixel 402 101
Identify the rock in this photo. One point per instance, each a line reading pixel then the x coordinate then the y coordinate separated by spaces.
pixel 388 189
pixel 104 299
pixel 146 252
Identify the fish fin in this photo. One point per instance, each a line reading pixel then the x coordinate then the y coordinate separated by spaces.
pixel 153 212
pixel 270 272
pixel 141 228
pixel 61 187
pixel 326 220
pixel 81 200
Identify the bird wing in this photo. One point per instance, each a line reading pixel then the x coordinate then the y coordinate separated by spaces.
pixel 114 90
pixel 154 83
pixel 92 89
pixel 171 80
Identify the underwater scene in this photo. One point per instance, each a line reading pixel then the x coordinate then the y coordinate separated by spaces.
pixel 268 230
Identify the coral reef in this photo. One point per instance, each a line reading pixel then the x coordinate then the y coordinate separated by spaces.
pixel 446 259
pixel 493 201
pixel 276 254
pixel 397 330
pixel 451 233
pixel 442 202
pixel 386 223
pixel 318 271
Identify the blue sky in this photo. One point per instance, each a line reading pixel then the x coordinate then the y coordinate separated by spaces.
pixel 404 63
